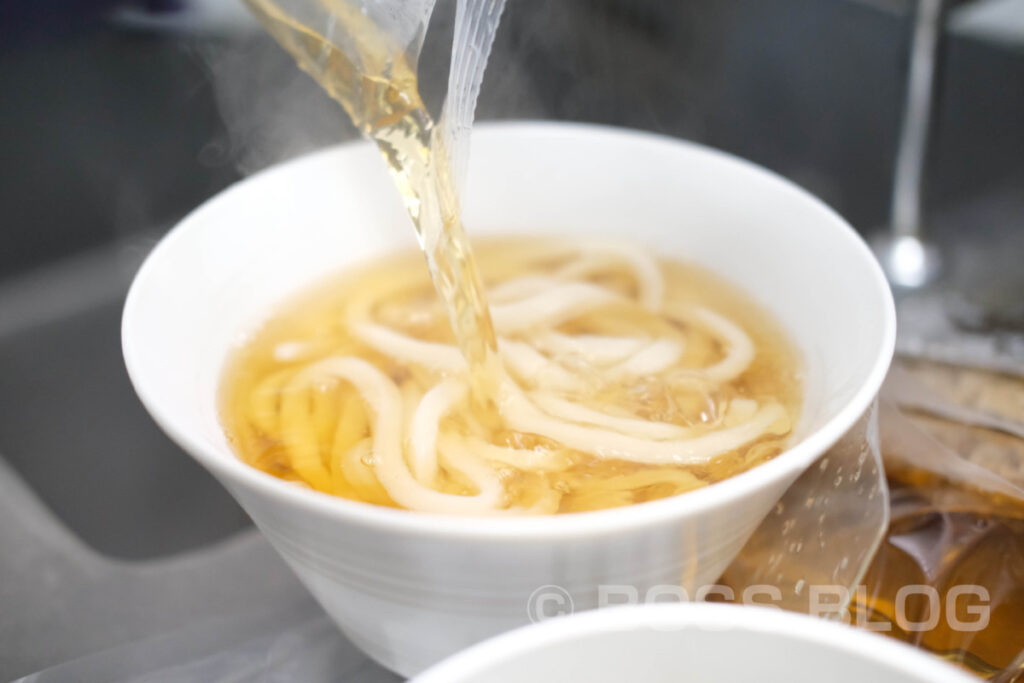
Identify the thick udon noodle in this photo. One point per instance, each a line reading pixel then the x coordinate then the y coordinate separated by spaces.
pixel 624 380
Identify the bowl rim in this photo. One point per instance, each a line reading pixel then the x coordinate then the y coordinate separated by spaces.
pixel 229 468
pixel 512 645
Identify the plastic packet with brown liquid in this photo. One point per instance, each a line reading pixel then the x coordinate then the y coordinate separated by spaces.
pixel 947 571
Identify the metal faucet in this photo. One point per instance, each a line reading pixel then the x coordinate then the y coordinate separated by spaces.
pixel 907 257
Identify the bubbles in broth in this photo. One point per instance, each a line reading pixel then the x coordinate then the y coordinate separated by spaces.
pixel 622 379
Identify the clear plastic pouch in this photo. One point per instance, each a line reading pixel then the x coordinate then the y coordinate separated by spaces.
pixel 928 549
pixel 380 39
pixel 812 550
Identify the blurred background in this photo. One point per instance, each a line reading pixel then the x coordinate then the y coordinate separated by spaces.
pixel 120 117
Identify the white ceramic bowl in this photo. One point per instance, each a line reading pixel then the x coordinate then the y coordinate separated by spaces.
pixel 411 589
pixel 692 642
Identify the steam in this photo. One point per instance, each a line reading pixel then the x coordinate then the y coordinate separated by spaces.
pixel 606 62
pixel 272 111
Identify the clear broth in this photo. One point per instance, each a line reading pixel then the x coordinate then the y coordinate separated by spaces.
pixel 312 326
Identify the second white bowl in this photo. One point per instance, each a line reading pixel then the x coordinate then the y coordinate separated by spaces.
pixel 706 643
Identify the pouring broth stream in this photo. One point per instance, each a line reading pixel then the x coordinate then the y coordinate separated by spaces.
pixel 598 376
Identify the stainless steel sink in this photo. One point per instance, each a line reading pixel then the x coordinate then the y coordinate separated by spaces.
pixel 119 556
pixel 73 429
